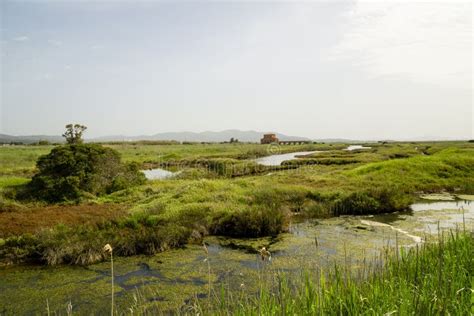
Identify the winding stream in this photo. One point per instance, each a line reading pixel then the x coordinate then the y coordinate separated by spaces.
pixel 276 160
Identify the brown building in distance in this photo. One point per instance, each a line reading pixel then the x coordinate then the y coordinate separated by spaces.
pixel 269 139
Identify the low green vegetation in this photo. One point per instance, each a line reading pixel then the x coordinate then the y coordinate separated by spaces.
pixel 93 198
pixel 187 154
pixel 20 160
pixel 250 200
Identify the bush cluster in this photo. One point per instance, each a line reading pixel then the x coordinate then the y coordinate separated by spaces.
pixel 249 223
pixel 375 201
pixel 69 172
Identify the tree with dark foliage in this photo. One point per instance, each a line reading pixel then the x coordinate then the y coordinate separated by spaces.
pixel 73 171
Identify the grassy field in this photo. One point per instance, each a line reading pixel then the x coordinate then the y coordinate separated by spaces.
pixel 249 202
pixel 20 160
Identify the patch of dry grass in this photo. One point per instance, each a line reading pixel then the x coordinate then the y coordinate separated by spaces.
pixel 33 219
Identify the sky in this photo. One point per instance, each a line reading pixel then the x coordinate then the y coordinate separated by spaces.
pixel 323 69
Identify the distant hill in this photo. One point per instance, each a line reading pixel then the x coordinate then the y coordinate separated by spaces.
pixel 208 136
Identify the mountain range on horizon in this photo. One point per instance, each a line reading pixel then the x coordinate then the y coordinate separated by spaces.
pixel 207 136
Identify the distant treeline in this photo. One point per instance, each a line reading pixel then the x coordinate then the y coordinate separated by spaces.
pixel 167 142
pixel 38 143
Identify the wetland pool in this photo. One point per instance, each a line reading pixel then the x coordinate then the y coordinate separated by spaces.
pixel 173 277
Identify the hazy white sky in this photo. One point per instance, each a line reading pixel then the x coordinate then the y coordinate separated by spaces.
pixel 352 69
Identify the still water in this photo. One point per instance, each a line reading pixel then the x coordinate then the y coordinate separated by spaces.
pixel 276 160
pixel 176 276
pixel 158 174
pixel 356 147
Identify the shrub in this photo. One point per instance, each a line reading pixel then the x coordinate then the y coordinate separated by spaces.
pixel 250 223
pixel 374 201
pixel 316 210
pixel 71 170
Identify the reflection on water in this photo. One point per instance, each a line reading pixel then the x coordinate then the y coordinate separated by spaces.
pixel 444 215
pixel 356 147
pixel 276 160
pixel 439 206
pixel 158 174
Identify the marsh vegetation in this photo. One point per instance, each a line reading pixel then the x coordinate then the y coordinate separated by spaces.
pixel 222 192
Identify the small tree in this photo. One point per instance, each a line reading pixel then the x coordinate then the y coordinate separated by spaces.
pixel 74 133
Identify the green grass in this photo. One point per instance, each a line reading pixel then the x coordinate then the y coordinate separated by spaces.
pixel 12 181
pixel 174 153
pixel 257 205
pixel 20 160
pixel 442 170
pixel 435 279
pixel 8 187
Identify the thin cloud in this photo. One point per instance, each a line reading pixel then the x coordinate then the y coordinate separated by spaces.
pixel 426 42
pixel 21 38
pixel 55 42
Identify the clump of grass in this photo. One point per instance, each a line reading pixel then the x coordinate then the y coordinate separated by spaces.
pixel 252 222
pixel 374 201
